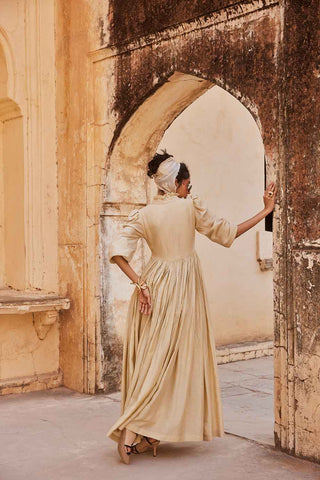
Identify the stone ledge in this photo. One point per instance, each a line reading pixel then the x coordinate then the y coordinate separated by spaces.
pixel 44 381
pixel 243 351
pixel 23 301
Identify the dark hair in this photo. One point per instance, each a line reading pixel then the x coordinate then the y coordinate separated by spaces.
pixel 158 158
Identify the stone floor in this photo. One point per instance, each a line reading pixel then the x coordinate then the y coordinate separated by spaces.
pixel 247 398
pixel 61 435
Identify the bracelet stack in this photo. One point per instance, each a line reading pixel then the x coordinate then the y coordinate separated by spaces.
pixel 140 285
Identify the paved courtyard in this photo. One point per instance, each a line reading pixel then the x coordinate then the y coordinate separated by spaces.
pixel 61 435
pixel 247 398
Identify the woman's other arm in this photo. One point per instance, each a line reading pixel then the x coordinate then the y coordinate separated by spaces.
pixel 126 268
pixel 144 294
pixel 121 251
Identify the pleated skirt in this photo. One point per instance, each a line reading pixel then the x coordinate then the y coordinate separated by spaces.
pixel 170 387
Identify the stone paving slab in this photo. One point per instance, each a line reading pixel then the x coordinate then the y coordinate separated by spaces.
pixel 247 398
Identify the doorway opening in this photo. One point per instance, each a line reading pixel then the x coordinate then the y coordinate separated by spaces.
pixel 211 131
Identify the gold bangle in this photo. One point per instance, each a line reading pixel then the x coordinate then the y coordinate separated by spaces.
pixel 143 284
pixel 139 284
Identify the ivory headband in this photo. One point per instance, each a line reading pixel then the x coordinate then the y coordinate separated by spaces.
pixel 166 175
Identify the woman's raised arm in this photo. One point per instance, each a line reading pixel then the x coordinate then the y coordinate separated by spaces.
pixel 268 207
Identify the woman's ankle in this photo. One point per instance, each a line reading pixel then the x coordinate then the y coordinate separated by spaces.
pixel 130 437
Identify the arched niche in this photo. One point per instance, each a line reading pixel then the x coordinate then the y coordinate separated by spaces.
pixel 12 224
pixel 7 67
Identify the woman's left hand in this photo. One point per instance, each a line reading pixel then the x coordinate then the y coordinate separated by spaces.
pixel 145 301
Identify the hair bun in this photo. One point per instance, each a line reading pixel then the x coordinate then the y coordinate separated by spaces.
pixel 158 158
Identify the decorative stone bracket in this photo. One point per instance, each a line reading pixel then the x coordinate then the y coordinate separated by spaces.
pixel 266 264
pixel 264 249
pixel 42 322
pixel 44 307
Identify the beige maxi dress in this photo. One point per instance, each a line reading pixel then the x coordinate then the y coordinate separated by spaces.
pixel 170 388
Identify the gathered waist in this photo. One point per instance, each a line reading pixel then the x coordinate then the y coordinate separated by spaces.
pixel 159 269
pixel 173 259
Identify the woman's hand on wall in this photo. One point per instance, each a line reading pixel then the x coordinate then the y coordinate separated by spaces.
pixel 269 206
pixel 269 201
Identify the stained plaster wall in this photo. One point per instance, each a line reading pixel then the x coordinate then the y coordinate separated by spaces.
pixel 221 144
pixel 28 192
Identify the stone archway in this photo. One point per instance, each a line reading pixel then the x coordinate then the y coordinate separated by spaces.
pixel 126 187
pixel 121 83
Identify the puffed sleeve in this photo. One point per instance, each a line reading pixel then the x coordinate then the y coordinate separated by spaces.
pixel 218 230
pixel 125 242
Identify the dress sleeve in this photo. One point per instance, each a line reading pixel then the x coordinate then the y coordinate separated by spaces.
pixel 125 242
pixel 218 230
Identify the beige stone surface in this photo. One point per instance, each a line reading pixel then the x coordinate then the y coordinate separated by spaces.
pixel 28 193
pixel 22 353
pixel 61 434
pixel 219 140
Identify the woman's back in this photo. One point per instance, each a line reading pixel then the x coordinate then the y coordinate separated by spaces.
pixel 170 222
pixel 169 226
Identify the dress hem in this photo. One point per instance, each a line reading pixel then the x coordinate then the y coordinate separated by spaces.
pixel 166 438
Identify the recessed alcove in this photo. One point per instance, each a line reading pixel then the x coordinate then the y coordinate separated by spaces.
pixel 12 187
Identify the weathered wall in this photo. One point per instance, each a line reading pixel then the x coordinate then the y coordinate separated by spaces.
pixel 131 19
pixel 81 138
pixel 28 191
pixel 247 50
pixel 71 105
pixel 29 100
pixel 27 363
pixel 298 321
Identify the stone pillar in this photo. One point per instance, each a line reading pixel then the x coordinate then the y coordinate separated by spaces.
pixel 297 333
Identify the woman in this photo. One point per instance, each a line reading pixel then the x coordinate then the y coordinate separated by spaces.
pixel 170 389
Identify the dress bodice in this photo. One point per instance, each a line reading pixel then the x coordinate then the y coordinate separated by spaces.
pixel 168 225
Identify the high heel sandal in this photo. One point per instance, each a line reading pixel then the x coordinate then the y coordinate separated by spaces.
pixel 146 443
pixel 124 454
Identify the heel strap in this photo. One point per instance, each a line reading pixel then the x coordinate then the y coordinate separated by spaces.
pixel 150 443
pixel 133 448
